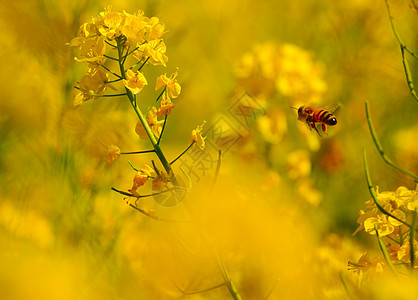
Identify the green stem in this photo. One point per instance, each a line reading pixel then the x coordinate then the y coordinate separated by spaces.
pixel 162 130
pixel 408 75
pixel 395 31
pixel 412 240
pixel 111 72
pixel 133 167
pixel 113 81
pixel 225 274
pixel 373 193
pixel 125 56
pixel 384 251
pixel 401 238
pixel 143 211
pixel 129 53
pixel 202 291
pixel 159 96
pixel 181 154
pixel 113 95
pixel 110 57
pixel 346 287
pixel 113 46
pixel 140 196
pixel 380 148
pixel 140 115
pixel 393 240
pixel 138 152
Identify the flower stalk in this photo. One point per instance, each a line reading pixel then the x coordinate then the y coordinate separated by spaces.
pixel 132 100
pixel 380 148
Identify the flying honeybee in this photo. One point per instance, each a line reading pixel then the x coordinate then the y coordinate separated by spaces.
pixel 312 115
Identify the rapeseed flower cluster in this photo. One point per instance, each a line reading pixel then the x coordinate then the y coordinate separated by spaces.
pixel 393 222
pixel 136 34
pixel 282 69
pixel 136 40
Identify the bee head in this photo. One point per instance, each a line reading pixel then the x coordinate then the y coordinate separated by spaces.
pixel 333 121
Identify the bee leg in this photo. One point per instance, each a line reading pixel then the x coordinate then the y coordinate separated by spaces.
pixel 313 125
pixel 324 128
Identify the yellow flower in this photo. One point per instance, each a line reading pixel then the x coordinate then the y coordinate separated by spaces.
pixel 141 177
pixel 197 136
pixel 147 170
pixel 134 28
pixel 166 107
pixel 364 216
pixel 382 224
pixel 134 82
pixel 307 192
pixel 273 125
pixel 365 264
pixel 413 203
pixel 281 68
pixel 400 199
pixel 398 214
pixel 95 82
pixel 155 29
pixel 161 181
pixel 170 83
pixel 91 50
pixel 87 30
pixel 153 122
pixel 109 23
pixel 298 164
pixel 113 153
pixel 404 253
pixel 154 50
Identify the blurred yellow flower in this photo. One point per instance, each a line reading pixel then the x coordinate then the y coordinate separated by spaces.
pixel 113 153
pixel 298 164
pixel 197 136
pixel 365 266
pixel 286 68
pixel 87 30
pixel 173 88
pixel 95 82
pixel 153 122
pixel 404 252
pixel 91 50
pixel 155 29
pixel 134 82
pixel 308 193
pixel 298 76
pixel 406 144
pixel 272 125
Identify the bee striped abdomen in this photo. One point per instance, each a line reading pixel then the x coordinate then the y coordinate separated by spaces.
pixel 323 116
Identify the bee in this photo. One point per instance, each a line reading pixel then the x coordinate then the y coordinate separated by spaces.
pixel 312 115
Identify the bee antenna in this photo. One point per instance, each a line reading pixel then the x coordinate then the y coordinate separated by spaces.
pixel 293 107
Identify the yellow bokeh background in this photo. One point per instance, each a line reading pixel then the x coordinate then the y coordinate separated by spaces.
pixel 283 209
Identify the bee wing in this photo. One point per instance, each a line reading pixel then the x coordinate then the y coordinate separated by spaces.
pixel 330 107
